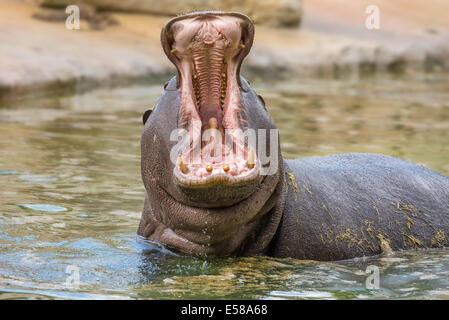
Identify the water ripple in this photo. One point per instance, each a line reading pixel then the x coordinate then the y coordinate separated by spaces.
pixel 42 207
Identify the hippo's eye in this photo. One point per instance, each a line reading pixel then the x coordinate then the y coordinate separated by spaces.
pixel 146 115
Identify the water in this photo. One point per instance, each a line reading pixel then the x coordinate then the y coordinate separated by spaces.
pixel 71 194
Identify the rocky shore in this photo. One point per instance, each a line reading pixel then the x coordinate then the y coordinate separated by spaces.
pixel 38 54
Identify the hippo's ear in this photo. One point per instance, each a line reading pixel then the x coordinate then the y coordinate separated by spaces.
pixel 262 100
pixel 146 115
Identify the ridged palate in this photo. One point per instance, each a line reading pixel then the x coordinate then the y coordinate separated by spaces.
pixel 208 51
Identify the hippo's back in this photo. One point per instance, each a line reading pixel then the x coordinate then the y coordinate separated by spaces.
pixel 350 205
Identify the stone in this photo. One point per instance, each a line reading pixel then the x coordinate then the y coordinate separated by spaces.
pixel 275 13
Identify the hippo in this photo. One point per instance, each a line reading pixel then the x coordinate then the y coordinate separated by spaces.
pixel 212 190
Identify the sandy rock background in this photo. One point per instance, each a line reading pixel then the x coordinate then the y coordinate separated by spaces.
pixel 38 53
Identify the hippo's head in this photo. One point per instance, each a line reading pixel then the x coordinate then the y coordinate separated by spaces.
pixel 202 144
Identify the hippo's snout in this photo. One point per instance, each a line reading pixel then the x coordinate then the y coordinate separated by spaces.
pixel 207 49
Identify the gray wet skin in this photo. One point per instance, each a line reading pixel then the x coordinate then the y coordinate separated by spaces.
pixel 322 208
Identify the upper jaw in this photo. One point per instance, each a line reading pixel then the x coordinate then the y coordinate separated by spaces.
pixel 207 49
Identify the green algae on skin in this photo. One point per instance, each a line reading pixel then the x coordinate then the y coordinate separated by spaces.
pixel 384 244
pixel 413 241
pixel 306 188
pixel 293 184
pixel 439 239
pixel 327 211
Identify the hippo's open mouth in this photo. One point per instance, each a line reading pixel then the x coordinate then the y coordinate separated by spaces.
pixel 208 49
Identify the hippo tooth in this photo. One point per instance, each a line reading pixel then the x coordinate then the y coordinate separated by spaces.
pixel 182 166
pixel 213 123
pixel 250 161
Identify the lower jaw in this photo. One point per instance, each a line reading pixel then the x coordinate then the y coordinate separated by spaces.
pixel 257 205
pixel 228 246
pixel 209 174
pixel 219 190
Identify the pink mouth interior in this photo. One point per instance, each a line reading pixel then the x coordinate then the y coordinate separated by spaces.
pixel 206 50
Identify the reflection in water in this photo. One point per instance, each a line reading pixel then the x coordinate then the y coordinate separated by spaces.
pixel 42 207
pixel 71 194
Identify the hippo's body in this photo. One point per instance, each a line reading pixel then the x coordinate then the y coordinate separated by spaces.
pixel 214 195
pixel 350 205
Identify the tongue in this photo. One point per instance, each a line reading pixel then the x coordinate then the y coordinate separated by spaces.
pixel 213 141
